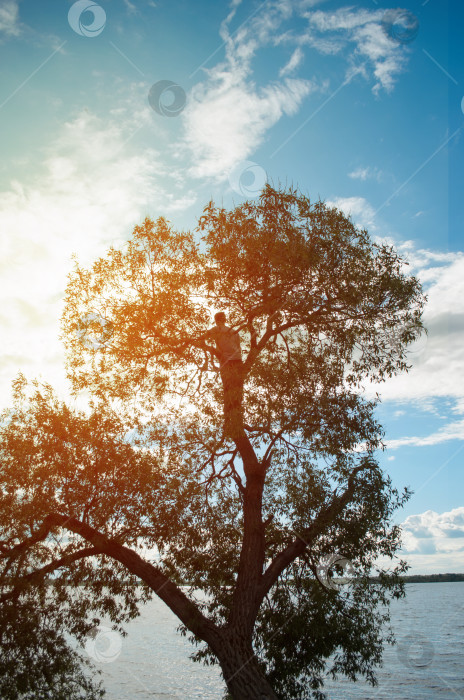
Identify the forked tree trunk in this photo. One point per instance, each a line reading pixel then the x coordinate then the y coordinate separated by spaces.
pixel 243 677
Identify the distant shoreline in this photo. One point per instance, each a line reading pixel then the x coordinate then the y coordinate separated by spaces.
pixel 433 578
pixel 414 578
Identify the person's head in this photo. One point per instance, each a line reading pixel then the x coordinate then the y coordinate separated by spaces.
pixel 220 318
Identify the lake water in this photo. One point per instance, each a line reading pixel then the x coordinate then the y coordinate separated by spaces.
pixel 152 662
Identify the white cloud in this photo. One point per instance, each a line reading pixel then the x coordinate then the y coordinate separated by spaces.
pixel 360 174
pixel 228 116
pixel 438 365
pixel 229 119
pixel 434 542
pixel 342 19
pixel 367 173
pixel 437 358
pixel 364 29
pixel 452 431
pixel 431 524
pixel 294 61
pixel 358 208
pixel 9 18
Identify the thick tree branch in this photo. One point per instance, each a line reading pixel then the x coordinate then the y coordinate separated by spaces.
pixel 326 516
pixel 165 589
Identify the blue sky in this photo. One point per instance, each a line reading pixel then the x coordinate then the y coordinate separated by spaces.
pixel 359 104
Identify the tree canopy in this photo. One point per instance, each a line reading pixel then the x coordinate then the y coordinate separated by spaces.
pixel 151 484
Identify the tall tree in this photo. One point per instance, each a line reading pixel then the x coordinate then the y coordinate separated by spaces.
pixel 244 480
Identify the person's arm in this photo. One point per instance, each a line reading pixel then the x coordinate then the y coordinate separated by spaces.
pixel 207 335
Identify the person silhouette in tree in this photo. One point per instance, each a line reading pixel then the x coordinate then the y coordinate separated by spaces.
pixel 231 368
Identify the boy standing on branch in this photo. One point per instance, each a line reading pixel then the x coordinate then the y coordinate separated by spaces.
pixel 231 367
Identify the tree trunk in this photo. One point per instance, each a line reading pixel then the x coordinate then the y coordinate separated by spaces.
pixel 240 668
pixel 232 376
pixel 243 677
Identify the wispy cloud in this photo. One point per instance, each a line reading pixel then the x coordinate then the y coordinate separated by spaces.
pixel 228 116
pixel 294 61
pixel 366 173
pixel 9 18
pixel 131 8
pixel 452 431
pixel 362 28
